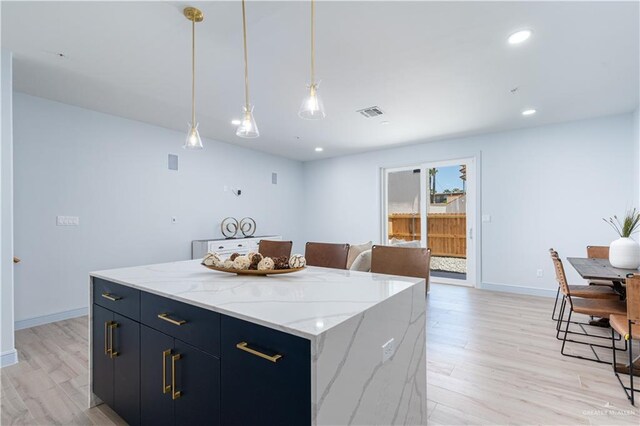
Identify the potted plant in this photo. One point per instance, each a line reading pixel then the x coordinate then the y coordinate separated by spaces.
pixel 625 252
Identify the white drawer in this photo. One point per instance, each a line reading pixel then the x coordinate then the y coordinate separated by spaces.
pixel 231 246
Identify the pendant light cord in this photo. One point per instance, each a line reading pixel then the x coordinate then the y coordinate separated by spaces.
pixel 313 44
pixel 193 71
pixel 246 66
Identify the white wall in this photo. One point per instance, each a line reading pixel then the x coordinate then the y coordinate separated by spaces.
pixel 543 187
pixel 636 138
pixel 112 173
pixel 7 347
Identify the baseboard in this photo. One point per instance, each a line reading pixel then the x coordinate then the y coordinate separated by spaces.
pixel 8 358
pixel 46 319
pixel 532 291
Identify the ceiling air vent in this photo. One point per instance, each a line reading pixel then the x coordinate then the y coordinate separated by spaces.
pixel 370 112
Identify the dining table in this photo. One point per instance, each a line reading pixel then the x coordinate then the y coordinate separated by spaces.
pixel 602 270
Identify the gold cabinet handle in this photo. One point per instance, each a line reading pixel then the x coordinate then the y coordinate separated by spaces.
pixel 111 297
pixel 106 337
pixel 165 387
pixel 112 326
pixel 16 259
pixel 175 394
pixel 166 318
pixel 244 346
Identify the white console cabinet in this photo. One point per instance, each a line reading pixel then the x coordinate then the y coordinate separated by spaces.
pixel 228 246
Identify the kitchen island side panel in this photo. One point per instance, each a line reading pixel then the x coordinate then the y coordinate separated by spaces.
pixel 352 385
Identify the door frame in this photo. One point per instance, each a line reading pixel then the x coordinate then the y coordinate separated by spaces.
pixel 471 219
pixel 474 263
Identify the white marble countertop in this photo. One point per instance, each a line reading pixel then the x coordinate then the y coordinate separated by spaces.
pixel 305 303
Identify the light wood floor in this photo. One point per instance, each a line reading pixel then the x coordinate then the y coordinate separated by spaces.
pixel 491 359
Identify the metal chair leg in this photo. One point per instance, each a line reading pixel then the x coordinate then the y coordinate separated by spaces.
pixel 632 390
pixel 553 314
pixel 591 345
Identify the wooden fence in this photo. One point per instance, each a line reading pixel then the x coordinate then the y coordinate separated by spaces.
pixel 446 232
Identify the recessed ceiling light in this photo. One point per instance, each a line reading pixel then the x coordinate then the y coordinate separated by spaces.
pixel 529 111
pixel 319 149
pixel 519 37
pixel 235 122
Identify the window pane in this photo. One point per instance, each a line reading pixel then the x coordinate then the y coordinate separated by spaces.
pixel 403 205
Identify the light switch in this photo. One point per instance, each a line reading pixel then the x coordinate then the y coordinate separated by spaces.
pixel 486 218
pixel 67 220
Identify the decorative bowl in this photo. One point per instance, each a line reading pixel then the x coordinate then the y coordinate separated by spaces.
pixel 254 271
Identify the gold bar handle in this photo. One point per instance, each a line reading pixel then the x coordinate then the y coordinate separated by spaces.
pixel 165 387
pixel 111 297
pixel 112 326
pixel 166 318
pixel 244 346
pixel 106 337
pixel 175 394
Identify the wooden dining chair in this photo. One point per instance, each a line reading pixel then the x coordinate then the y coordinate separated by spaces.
pixel 628 327
pixel 327 255
pixel 270 248
pixel 403 261
pixel 585 291
pixel 599 252
pixel 602 308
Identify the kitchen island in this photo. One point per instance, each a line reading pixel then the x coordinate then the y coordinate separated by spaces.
pixel 176 343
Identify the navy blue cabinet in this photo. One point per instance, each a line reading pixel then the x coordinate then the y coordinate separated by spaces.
pixel 156 407
pixel 116 362
pixel 180 384
pixel 157 361
pixel 266 375
pixel 102 362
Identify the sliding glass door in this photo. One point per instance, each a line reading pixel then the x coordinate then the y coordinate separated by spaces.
pixel 434 204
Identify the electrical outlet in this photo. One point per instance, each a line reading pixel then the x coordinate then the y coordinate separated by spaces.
pixel 67 220
pixel 174 219
pixel 539 273
pixel 388 349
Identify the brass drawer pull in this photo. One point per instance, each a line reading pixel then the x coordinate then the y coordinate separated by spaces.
pixel 244 346
pixel 112 326
pixel 106 337
pixel 175 394
pixel 166 318
pixel 111 297
pixel 165 387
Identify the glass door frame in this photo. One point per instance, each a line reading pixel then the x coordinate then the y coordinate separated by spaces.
pixel 385 171
pixel 472 204
pixel 471 217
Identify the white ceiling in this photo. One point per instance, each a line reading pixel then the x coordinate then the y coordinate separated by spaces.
pixel 437 69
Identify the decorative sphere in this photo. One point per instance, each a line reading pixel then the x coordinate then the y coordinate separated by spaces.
pixel 212 259
pixel 265 264
pixel 297 261
pixel 241 262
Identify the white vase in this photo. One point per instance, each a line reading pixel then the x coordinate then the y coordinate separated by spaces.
pixel 624 253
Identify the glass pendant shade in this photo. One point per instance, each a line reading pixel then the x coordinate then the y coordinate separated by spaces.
pixel 248 127
pixel 193 138
pixel 312 107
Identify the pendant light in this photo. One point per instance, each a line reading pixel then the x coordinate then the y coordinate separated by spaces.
pixel 193 136
pixel 247 127
pixel 312 107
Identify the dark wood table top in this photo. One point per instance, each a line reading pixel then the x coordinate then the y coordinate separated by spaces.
pixel 599 269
